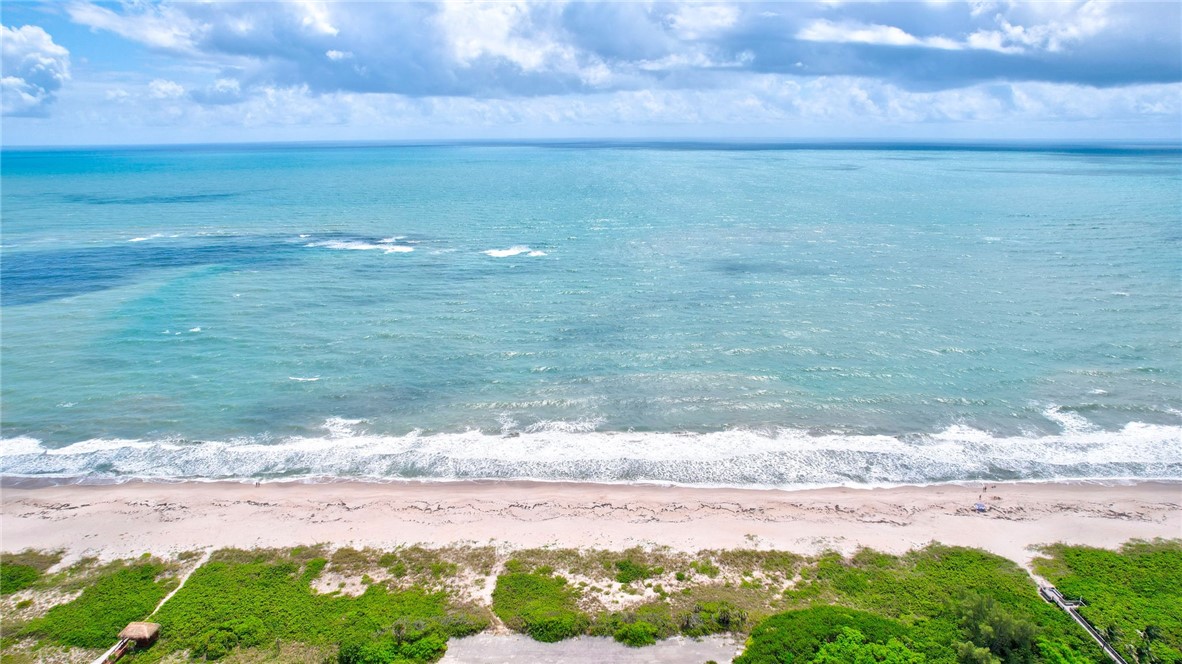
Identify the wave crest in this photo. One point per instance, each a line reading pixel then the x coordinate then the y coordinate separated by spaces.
pixel 787 458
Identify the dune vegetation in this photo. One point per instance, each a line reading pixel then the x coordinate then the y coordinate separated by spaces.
pixel 938 604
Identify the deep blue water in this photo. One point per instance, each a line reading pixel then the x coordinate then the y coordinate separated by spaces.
pixel 747 315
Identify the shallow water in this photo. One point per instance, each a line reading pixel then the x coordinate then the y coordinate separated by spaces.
pixel 780 317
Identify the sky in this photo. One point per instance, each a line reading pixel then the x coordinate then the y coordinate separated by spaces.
pixel 102 73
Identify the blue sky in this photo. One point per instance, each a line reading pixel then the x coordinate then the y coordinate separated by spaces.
pixel 80 72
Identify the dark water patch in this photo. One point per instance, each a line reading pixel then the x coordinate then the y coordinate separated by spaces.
pixel 90 199
pixel 30 277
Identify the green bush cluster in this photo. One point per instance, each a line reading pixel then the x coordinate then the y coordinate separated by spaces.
pixel 541 605
pixel 851 647
pixel 948 604
pixel 712 618
pixel 119 594
pixel 234 602
pixel 405 642
pixel 922 588
pixel 645 624
pixel 1132 595
pixel 629 570
pixel 14 577
pixel 795 637
pixel 639 626
pixel 21 570
pixel 993 636
pixel 938 605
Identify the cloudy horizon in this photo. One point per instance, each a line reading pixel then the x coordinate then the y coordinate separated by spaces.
pixel 84 73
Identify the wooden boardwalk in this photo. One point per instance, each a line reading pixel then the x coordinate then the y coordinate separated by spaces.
pixel 1071 606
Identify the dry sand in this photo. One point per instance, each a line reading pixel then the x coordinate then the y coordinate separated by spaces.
pixel 130 519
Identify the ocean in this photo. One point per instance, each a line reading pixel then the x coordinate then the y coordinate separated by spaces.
pixel 707 314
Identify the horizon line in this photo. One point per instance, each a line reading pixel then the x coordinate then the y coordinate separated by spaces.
pixel 1001 144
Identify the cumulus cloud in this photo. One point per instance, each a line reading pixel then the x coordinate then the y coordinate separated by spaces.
pixel 856 33
pixel 163 89
pixel 532 63
pixel 524 48
pixel 34 68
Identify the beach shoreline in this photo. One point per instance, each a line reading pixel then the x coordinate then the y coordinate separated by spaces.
pixel 121 520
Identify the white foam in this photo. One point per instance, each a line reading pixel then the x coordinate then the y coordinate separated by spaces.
pixel 194 329
pixel 149 237
pixel 301 379
pixel 513 251
pixel 1070 422
pixel 787 458
pixel 358 245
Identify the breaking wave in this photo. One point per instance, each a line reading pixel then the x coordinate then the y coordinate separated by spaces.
pixel 574 451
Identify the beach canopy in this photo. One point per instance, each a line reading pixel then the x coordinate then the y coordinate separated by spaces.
pixel 140 631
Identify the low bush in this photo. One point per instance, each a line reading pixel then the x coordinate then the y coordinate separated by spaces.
pixel 637 634
pixel 119 594
pixel 541 605
pixel 795 637
pixel 238 603
pixel 1132 594
pixel 14 577
pixel 629 570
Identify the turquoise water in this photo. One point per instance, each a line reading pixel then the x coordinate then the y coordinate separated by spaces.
pixel 679 313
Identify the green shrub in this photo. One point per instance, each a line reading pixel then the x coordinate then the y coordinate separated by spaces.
pixel 991 628
pixel 797 636
pixel 1126 591
pixel 387 648
pixel 119 595
pixel 628 571
pixel 851 647
pixel 637 634
pixel 247 602
pixel 712 618
pixel 14 577
pixel 705 568
pixel 544 607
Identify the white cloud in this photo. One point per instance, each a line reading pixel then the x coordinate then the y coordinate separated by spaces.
pixel 693 21
pixel 849 32
pixel 504 30
pixel 223 91
pixel 163 89
pixel 315 18
pixel 509 66
pixel 166 27
pixel 34 68
pixel 1052 26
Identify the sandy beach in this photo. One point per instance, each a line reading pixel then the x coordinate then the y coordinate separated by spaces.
pixel 130 519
